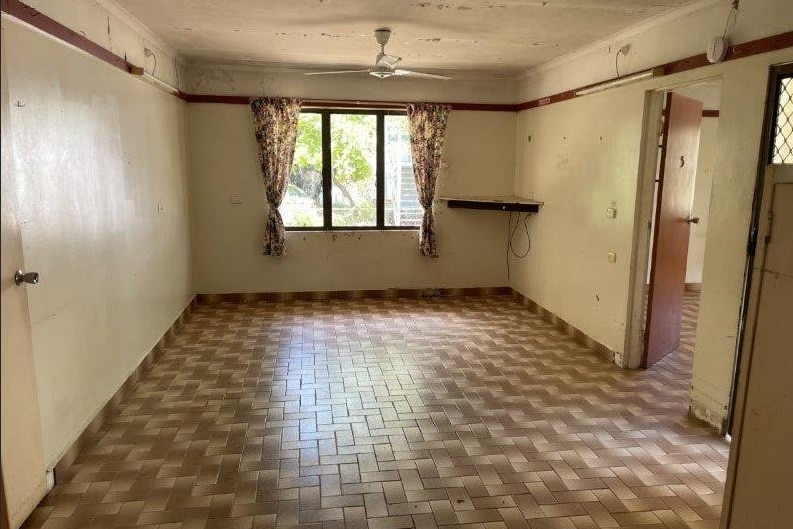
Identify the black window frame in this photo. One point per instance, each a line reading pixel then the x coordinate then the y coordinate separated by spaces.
pixel 327 186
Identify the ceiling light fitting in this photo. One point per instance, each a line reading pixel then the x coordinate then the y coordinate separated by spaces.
pixel 154 81
pixel 622 81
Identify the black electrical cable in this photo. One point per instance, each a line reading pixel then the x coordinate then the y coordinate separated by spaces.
pixel 511 230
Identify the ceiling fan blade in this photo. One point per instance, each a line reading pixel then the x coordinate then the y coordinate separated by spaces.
pixel 335 72
pixel 408 73
pixel 389 61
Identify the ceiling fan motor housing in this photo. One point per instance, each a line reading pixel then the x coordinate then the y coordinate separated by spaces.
pixel 382 35
pixel 385 65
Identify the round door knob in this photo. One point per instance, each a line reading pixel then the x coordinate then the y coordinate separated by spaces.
pixel 30 278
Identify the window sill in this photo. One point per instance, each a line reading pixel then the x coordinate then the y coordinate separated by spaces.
pixel 355 228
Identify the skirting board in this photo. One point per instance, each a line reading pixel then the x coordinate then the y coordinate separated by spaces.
pixel 715 420
pixel 321 295
pixel 66 460
pixel 693 287
pixel 576 334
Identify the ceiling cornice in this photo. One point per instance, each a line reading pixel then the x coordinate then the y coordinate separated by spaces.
pixel 621 36
pixel 142 29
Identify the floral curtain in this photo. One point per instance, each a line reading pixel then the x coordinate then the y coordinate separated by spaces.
pixel 275 126
pixel 427 130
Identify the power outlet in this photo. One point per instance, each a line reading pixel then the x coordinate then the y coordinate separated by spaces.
pixel 611 212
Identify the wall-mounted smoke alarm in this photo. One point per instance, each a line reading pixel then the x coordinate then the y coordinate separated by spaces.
pixel 717 49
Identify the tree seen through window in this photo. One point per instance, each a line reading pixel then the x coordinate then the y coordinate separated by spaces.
pixel 353 173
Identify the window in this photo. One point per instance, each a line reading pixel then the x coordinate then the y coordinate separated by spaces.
pixel 782 147
pixel 302 205
pixel 352 170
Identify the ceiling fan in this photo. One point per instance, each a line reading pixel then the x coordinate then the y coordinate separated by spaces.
pixel 385 65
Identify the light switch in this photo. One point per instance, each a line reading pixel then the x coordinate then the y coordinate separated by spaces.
pixel 612 257
pixel 235 199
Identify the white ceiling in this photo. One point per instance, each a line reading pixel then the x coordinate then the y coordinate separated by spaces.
pixel 506 36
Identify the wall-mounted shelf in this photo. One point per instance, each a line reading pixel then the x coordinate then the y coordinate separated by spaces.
pixel 494 203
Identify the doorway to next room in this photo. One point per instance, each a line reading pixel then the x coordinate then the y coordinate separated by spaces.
pixel 677 215
pixel 679 220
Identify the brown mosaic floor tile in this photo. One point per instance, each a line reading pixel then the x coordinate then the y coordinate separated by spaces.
pixel 468 412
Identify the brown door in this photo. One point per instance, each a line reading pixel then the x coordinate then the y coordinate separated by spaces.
pixel 678 168
pixel 21 447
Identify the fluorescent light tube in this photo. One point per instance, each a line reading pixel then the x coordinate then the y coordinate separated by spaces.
pixel 621 81
pixel 159 83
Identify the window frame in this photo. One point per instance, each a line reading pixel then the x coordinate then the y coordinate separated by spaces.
pixel 777 85
pixel 327 184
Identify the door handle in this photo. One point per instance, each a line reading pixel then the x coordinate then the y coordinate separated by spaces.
pixel 30 278
pixel 693 220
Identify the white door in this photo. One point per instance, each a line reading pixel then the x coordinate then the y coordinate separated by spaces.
pixel 21 448
pixel 763 482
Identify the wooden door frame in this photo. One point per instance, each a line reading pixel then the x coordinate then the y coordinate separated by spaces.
pixel 645 194
pixel 751 293
pixel 653 227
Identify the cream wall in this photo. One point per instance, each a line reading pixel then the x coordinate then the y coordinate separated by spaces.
pixel 700 206
pixel 681 33
pixel 565 150
pixel 579 157
pixel 227 238
pixel 738 147
pixel 103 162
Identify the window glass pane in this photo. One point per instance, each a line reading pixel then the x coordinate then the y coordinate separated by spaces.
pixel 302 205
pixel 402 206
pixel 353 152
pixel 783 130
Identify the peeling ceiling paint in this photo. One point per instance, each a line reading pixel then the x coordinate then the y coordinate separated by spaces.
pixel 505 36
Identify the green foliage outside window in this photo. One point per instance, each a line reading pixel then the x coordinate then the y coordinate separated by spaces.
pixel 353 146
pixel 353 155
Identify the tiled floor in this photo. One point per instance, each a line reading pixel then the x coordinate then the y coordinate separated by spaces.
pixel 394 413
